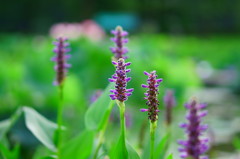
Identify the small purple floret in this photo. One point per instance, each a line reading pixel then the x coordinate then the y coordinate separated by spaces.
pixel 151 95
pixel 194 146
pixel 143 110
pixel 119 50
pixel 120 79
pixel 60 59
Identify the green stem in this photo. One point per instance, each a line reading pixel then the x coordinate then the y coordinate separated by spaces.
pixel 121 106
pixel 100 142
pixel 122 119
pixel 153 126
pixel 103 129
pixel 59 120
pixel 169 132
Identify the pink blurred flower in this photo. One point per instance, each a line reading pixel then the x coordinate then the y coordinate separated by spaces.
pixel 88 28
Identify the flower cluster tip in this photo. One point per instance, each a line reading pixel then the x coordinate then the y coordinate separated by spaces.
pixel 60 59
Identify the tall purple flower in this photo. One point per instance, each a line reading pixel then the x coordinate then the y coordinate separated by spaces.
pixel 194 146
pixel 120 78
pixel 170 102
pixel 60 59
pixel 151 95
pixel 119 50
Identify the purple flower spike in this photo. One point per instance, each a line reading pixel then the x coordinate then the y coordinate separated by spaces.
pixel 119 50
pixel 121 80
pixel 194 146
pixel 151 95
pixel 170 102
pixel 60 59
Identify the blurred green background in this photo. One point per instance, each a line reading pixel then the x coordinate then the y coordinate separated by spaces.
pixel 193 45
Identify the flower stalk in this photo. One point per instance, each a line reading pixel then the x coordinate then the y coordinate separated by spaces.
pixel 170 102
pixel 61 70
pixel 121 106
pixel 195 146
pixel 120 93
pixel 153 126
pixel 152 102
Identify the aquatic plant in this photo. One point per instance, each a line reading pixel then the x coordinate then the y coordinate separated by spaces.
pixel 195 146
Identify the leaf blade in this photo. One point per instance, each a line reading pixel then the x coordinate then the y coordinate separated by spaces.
pixel 79 147
pixel 132 154
pixel 161 148
pixel 96 112
pixel 42 128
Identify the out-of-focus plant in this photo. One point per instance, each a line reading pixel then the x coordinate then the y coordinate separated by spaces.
pixel 61 70
pixel 194 147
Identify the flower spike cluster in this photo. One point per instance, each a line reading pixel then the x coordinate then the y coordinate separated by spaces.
pixel 151 95
pixel 60 59
pixel 119 50
pixel 194 146
pixel 170 102
pixel 120 79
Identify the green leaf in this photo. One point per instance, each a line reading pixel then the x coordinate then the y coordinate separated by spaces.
pixel 170 156
pixel 236 143
pixel 146 150
pixel 132 154
pixel 79 147
pixel 49 157
pixel 120 149
pixel 96 113
pixel 8 154
pixel 6 125
pixel 42 128
pixel 103 156
pixel 161 149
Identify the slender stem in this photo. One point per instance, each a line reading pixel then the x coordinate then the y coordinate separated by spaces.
pixel 59 120
pixel 122 119
pixel 101 139
pixel 153 126
pixel 121 106
pixel 103 129
pixel 169 132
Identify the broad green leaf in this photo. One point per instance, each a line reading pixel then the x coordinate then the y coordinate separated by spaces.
pixel 132 154
pixel 42 128
pixel 79 147
pixel 8 154
pixel 236 143
pixel 120 150
pixel 162 147
pixel 103 156
pixel 49 157
pixel 96 113
pixel 6 125
pixel 146 150
pixel 170 156
pixel 106 115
